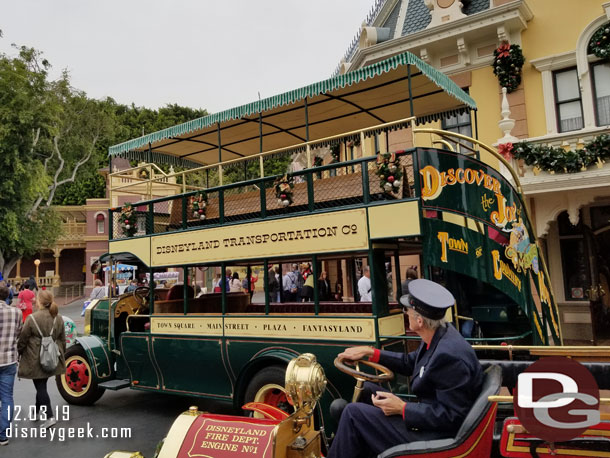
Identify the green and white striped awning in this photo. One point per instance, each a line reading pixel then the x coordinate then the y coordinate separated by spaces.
pixel 381 92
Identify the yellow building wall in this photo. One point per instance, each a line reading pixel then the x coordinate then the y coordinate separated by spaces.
pixel 485 91
pixel 554 29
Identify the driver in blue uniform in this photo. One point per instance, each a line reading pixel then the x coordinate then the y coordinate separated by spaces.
pixel 445 376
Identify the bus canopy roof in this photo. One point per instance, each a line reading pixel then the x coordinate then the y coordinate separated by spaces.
pixel 379 93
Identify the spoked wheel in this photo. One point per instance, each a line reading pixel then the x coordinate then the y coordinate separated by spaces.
pixel 77 385
pixel 268 386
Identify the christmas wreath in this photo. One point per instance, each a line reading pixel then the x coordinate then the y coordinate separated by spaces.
pixel 199 202
pixel 389 173
pixel 554 159
pixel 283 190
pixel 143 174
pixel 508 61
pixel 600 42
pixel 127 220
pixel 317 161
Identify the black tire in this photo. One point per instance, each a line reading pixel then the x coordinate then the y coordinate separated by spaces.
pixel 268 386
pixel 77 386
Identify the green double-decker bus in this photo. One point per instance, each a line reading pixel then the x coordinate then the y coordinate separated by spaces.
pixel 293 224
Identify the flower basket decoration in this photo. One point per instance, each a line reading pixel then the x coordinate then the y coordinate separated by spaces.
pixel 600 42
pixel 127 221
pixel 507 65
pixel 283 190
pixel 199 204
pixel 389 173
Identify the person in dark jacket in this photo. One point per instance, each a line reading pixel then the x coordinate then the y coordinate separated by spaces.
pixel 446 376
pixel 323 287
pixel 273 286
pixel 28 346
pixel 411 275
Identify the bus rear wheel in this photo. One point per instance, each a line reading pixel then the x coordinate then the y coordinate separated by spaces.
pixel 77 385
pixel 268 386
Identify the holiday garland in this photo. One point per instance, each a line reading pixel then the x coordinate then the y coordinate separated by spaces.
pixel 199 202
pixel 508 61
pixel 553 159
pixel 389 173
pixel 600 42
pixel 283 190
pixel 127 220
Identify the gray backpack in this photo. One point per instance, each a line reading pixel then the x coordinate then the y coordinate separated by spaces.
pixel 49 353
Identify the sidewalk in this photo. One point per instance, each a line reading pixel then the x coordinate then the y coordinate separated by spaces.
pixel 61 300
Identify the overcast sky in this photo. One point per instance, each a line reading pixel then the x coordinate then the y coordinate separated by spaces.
pixel 198 53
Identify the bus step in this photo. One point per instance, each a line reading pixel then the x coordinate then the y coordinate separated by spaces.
pixel 115 384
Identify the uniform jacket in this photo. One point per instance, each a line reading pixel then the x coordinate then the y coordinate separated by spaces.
pixel 28 345
pixel 446 378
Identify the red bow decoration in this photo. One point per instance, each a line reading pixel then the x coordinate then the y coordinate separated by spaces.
pixel 504 50
pixel 506 150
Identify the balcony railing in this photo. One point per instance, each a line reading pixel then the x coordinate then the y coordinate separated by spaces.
pixel 337 185
pixel 73 231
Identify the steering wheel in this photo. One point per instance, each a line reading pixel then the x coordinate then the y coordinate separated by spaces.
pixel 140 294
pixel 353 368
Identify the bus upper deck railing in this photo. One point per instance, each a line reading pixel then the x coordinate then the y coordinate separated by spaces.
pixel 336 185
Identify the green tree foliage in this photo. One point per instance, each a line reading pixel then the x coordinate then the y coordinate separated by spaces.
pixel 126 122
pixel 48 132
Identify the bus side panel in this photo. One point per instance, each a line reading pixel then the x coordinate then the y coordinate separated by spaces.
pixel 192 365
pixel 242 353
pixel 136 351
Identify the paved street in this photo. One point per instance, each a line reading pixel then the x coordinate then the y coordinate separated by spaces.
pixel 149 415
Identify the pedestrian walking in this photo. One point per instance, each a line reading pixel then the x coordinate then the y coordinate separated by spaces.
pixel 10 327
pixel 26 300
pixel 42 323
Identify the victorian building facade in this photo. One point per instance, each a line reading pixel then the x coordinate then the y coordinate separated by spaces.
pixel 563 101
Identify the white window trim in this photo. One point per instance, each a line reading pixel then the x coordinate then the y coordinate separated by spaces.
pixel 105 215
pixel 579 59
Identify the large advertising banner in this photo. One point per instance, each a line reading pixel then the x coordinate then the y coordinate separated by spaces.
pixel 508 258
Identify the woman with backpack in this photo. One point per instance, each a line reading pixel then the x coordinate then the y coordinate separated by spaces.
pixel 42 357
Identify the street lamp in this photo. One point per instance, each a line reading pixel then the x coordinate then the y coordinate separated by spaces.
pixel 36 263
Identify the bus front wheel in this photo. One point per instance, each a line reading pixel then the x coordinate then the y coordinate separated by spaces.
pixel 268 386
pixel 77 385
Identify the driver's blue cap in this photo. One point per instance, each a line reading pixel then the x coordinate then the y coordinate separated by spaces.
pixel 428 298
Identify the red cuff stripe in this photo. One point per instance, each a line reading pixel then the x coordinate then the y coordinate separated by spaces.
pixel 375 357
pixel 404 408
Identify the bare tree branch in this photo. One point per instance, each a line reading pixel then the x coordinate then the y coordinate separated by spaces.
pixel 56 183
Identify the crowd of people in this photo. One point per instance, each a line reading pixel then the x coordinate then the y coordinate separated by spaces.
pixel 21 334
